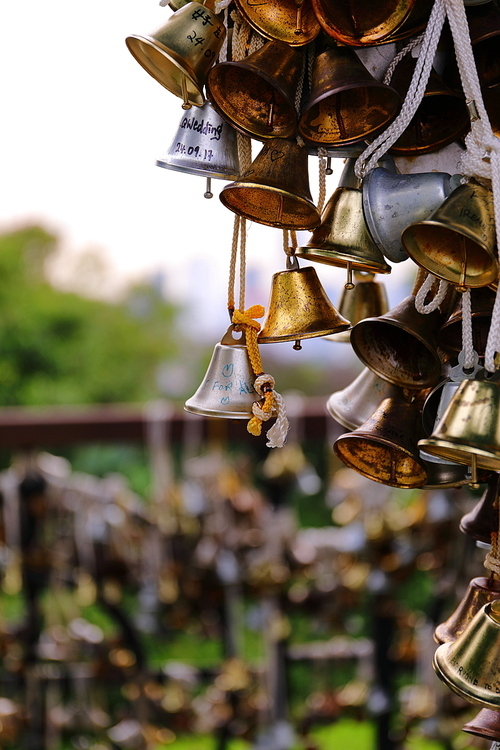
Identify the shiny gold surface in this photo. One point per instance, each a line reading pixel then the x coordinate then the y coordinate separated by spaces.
pixel 480 591
pixel 368 299
pixel 289 21
pixel 257 94
pixel 346 104
pixel 299 308
pixel 275 189
pixel 362 23
pixel 457 241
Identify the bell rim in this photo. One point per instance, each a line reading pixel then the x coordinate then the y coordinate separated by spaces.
pixel 335 415
pixel 328 28
pixel 489 462
pixel 313 211
pixel 462 689
pixel 217 415
pixel 291 39
pixel 173 58
pixel 319 256
pixel 196 172
pixel 344 337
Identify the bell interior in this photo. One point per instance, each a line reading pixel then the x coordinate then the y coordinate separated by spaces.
pixel 267 205
pixel 440 120
pixel 371 22
pixel 166 69
pixel 384 463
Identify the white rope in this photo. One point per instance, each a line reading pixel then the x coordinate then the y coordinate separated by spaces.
pixel 414 95
pixel 276 436
pixel 425 308
pixel 322 154
pixel 409 47
pixel 467 341
pixel 220 5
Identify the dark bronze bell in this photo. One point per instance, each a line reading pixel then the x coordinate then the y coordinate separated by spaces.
pixel 479 592
pixel 346 104
pixel 450 334
pixel 484 29
pixel 485 724
pixel 368 299
pixel 257 94
pixel 275 189
pixel 482 520
pixel 384 448
pixel 289 21
pixel 362 23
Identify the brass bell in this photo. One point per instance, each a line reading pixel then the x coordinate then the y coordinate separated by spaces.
pixel 299 308
pixel 275 189
pixel 441 118
pixel 181 52
pixel 450 334
pixel 384 448
pixel 367 299
pixel 342 238
pixel 485 724
pixel 482 520
pixel 227 388
pixel 257 94
pixel 346 104
pixel 469 664
pixel 204 145
pixel 353 405
pixel 391 202
pixel 289 21
pixel 365 23
pixel 457 241
pixel 400 346
pixel 415 22
pixel 479 592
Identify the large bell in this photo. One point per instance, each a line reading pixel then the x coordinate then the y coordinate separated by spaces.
pixel 353 405
pixel 367 299
pixel 469 430
pixel 275 189
pixel 482 520
pixel 299 308
pixel 257 94
pixel 450 334
pixel 289 21
pixel 457 241
pixel 181 52
pixel 391 202
pixel 400 346
pixel 469 664
pixel 362 23
pixel 227 388
pixel 384 448
pixel 480 591
pixel 441 118
pixel 485 724
pixel 346 104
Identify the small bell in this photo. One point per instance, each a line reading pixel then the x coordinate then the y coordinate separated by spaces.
pixel 353 405
pixel 479 592
pixel 482 520
pixel 368 299
pixel 485 724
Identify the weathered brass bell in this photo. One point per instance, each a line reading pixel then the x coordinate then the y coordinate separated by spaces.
pixel 391 202
pixel 485 724
pixel 441 118
pixel 275 189
pixel 400 346
pixel 469 664
pixel 181 52
pixel 353 405
pixel 479 592
pixel 482 520
pixel 290 21
pixel 227 388
pixel 450 334
pixel 367 299
pixel 384 448
pixel 484 30
pixel 457 241
pixel 257 94
pixel 299 308
pixel 346 104
pixel 414 23
pixel 443 475
pixel 362 23
pixel 468 432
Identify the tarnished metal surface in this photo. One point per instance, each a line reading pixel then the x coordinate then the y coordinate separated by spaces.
pixel 364 22
pixel 291 21
pixel 485 724
pixel 480 591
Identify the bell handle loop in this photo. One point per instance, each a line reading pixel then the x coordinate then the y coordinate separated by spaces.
pixel 229 340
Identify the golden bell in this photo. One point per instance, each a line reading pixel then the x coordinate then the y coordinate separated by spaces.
pixel 289 21
pixel 346 104
pixel 366 23
pixel 384 448
pixel 485 724
pixel 469 664
pixel 352 406
pixel 275 189
pixel 257 94
pixel 457 241
pixel 299 308
pixel 469 432
pixel 368 299
pixel 227 388
pixel 480 591
pixel 400 346
pixel 181 52
pixel 482 520
pixel 450 334
pixel 441 118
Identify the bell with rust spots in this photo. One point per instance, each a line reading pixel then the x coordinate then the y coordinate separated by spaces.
pixel 441 118
pixel 289 21
pixel 485 724
pixel 450 334
pixel 299 308
pixel 384 448
pixel 275 189
pixel 367 299
pixel 482 520
pixel 480 591
pixel 227 388
pixel 346 104
pixel 342 238
pixel 204 145
pixel 469 664
pixel 457 241
pixel 257 94
pixel 391 202
pixel 353 405
pixel 181 52
pixel 362 23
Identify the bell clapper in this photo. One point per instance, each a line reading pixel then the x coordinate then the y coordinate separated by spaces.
pixel 208 192
pixel 185 97
pixel 349 285
pixel 298 345
pixel 298 24
pixel 462 287
pixel 328 169
pixel 474 484
pixel 280 209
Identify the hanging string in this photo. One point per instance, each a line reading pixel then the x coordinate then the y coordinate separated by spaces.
pixel 322 155
pixel 409 47
pixel 256 42
pixel 232 266
pixel 243 261
pixel 420 304
pixel 467 341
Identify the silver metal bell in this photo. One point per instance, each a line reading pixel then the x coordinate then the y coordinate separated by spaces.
pixel 352 406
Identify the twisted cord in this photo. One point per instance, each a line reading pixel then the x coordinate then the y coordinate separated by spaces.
pixel 232 264
pixel 256 42
pixel 425 308
pixel 244 143
pixel 322 153
pixel 467 341
pixel 243 261
pixel 409 47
